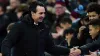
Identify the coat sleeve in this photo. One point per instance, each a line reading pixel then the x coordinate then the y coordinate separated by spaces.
pixel 55 50
pixel 10 40
pixel 90 46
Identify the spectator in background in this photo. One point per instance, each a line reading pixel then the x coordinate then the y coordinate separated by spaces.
pixel 12 10
pixel 94 30
pixel 13 4
pixel 80 8
pixel 60 9
pixel 4 21
pixel 59 14
pixel 58 38
pixel 70 40
pixel 50 17
pixel 65 23
pixel 93 11
pixel 83 30
pixel 20 10
pixel 75 17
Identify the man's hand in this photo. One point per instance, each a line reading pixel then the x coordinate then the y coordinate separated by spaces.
pixel 75 52
pixel 0 54
pixel 81 28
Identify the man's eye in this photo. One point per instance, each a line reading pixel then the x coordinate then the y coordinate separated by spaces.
pixel 42 13
pixel 94 15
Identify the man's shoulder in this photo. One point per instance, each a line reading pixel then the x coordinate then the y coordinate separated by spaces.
pixel 19 24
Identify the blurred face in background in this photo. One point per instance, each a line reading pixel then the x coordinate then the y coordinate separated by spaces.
pixel 93 15
pixel 14 3
pixel 59 9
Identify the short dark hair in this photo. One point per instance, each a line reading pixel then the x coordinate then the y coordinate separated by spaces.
pixel 63 21
pixel 95 22
pixel 66 20
pixel 33 5
pixel 70 30
pixel 93 7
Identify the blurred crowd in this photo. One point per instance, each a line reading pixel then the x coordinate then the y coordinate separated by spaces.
pixel 67 20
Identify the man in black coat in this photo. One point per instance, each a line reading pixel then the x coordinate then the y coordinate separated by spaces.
pixel 30 36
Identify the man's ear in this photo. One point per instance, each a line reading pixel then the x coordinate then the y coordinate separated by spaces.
pixel 32 13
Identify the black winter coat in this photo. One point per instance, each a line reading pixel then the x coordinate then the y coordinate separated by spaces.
pixel 28 39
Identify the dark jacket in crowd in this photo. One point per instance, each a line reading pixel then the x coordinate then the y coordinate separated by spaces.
pixel 93 46
pixel 12 16
pixel 28 39
pixel 3 26
pixel 74 42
